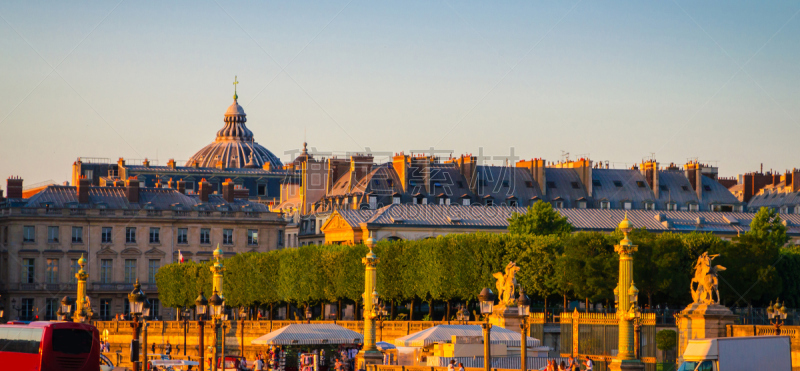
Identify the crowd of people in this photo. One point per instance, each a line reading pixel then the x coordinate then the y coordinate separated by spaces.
pixel 570 365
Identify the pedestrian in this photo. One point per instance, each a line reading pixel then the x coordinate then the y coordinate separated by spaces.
pixel 570 362
pixel 461 367
pixel 562 366
pixel 452 365
pixel 168 348
pixel 153 348
pixel 259 364
pixel 589 364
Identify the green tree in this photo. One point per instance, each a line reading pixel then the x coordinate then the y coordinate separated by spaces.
pixel 767 227
pixel 540 219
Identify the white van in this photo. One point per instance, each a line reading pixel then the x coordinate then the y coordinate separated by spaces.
pixel 771 353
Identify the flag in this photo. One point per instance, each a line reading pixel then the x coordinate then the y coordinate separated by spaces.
pixel 180 257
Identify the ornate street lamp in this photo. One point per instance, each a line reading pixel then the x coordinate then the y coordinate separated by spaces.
pixel 777 316
pixel 524 310
pixel 136 300
pixel 486 298
pixel 201 304
pixel 217 315
pixel 65 309
pixel 242 317
pixel 187 315
pixel 145 315
pixel 308 314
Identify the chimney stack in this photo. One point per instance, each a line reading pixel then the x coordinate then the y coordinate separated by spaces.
pixel 171 163
pixel 204 190
pixel 650 171
pixel 83 189
pixel 14 187
pixel 400 164
pixel 181 186
pixel 227 190
pixel 132 190
pixel 536 167
pixel 171 183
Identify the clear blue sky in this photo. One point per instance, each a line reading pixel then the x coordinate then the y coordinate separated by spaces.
pixel 719 81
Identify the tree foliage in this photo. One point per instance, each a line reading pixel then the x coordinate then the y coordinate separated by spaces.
pixel 541 219
pixel 456 267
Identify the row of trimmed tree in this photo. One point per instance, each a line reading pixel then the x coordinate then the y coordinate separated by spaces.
pixel 555 263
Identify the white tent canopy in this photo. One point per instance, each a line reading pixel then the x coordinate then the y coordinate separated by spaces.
pixel 445 333
pixel 310 334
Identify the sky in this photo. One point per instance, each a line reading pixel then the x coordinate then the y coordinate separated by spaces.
pixel 613 81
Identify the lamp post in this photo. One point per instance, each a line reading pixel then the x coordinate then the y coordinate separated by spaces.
pixel 626 295
pixel 777 316
pixel 308 314
pixel 486 297
pixel 523 306
pixel 217 305
pixel 186 315
pixel 242 317
pixel 145 316
pixel 136 299
pixel 201 304
pixel 64 309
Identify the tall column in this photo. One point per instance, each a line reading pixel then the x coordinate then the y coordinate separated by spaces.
pixel 370 353
pixel 217 269
pixel 627 312
pixel 80 302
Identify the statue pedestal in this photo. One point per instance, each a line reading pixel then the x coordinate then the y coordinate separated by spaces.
pixel 365 358
pixel 633 365
pixel 699 321
pixel 506 317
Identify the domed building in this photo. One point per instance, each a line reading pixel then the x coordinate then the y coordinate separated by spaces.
pixel 234 146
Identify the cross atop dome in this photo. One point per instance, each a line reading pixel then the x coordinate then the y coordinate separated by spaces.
pixel 235 82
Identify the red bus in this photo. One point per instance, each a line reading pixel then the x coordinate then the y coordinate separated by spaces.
pixel 46 346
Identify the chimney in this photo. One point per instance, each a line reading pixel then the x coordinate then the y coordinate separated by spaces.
pixel 336 168
pixel 536 167
pixel 693 171
pixel 171 163
pixel 132 190
pixel 14 187
pixel 83 189
pixel 181 186
pixel 1 196
pixel 204 190
pixel 227 190
pixel 420 172
pixel 359 167
pixel 146 163
pixel 400 164
pixel 584 168
pixel 171 183
pixel 650 171
pixel 795 180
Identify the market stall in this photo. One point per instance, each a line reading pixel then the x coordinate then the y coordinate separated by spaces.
pixel 437 345
pixel 311 347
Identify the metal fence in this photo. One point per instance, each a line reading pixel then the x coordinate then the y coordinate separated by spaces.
pixel 596 336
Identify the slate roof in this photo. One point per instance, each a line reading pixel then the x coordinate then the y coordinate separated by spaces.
pixel 496 217
pixel 504 181
pixel 58 196
pixel 632 187
pixel 775 200
pixel 356 217
pixel 678 189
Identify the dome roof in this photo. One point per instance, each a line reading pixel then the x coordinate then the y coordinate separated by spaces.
pixel 234 146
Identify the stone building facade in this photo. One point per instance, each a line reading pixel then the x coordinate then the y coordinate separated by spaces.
pixel 125 233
